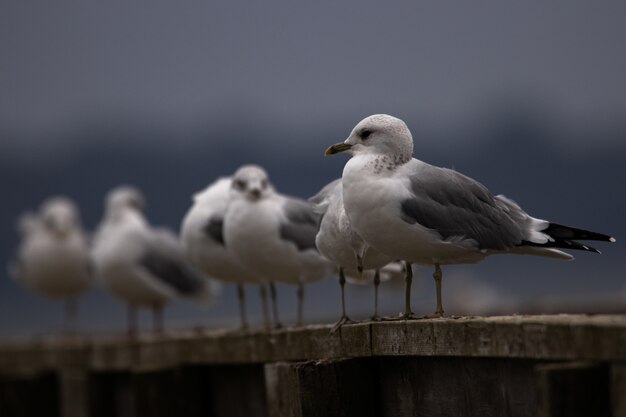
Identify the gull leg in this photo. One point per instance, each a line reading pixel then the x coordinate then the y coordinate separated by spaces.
pixel 157 319
pixel 408 279
pixel 437 276
pixel 131 321
pixel 266 310
pixel 273 296
pixel 241 296
pixel 300 294
pixel 344 317
pixel 376 284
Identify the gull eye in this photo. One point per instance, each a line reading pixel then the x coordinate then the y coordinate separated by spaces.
pixel 264 183
pixel 365 134
pixel 240 184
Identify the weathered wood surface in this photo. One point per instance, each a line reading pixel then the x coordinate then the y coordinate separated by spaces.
pixel 554 337
pixel 517 366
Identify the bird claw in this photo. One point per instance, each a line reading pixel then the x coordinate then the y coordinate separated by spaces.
pixel 343 320
pixel 402 317
pixel 435 315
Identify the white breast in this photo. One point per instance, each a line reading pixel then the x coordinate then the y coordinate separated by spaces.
pixel 55 267
pixel 373 204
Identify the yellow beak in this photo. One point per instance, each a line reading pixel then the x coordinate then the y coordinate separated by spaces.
pixel 336 148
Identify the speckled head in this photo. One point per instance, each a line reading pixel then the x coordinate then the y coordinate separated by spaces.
pixel 379 134
pixel 124 197
pixel 251 182
pixel 59 215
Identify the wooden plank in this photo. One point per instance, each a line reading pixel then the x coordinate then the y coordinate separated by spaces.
pixel 342 388
pixel 196 391
pixel 235 390
pixel 34 396
pixel 460 387
pixel 560 337
pixel 111 395
pixel 74 392
pixel 283 390
pixel 618 389
pixel 576 389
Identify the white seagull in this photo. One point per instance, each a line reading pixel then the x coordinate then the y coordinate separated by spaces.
pixel 272 234
pixel 53 257
pixel 202 236
pixel 338 242
pixel 421 213
pixel 143 266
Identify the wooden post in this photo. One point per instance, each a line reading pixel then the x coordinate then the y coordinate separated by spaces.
pixel 467 366
pixel 618 389
pixel 344 387
pixel 111 395
pixel 74 392
pixel 441 386
pixel 575 389
pixel 236 390
pixel 30 395
pixel 283 390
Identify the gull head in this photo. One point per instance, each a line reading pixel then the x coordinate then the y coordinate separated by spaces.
pixel 379 134
pixel 59 216
pixel 124 197
pixel 251 182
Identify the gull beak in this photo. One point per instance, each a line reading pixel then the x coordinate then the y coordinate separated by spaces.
pixel 254 194
pixel 62 228
pixel 336 148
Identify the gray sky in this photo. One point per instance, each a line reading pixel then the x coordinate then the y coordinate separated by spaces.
pixel 528 97
pixel 297 64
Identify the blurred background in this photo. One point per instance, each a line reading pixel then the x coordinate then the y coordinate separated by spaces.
pixel 527 97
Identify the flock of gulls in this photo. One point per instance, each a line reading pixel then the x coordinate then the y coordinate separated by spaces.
pixel 387 212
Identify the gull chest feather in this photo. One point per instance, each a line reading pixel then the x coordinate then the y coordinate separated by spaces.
pixel 373 204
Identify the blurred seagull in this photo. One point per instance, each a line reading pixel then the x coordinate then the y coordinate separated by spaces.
pixel 202 236
pixel 142 266
pixel 273 234
pixel 337 241
pixel 53 257
pixel 421 213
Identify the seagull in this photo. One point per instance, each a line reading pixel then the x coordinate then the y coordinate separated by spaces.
pixel 339 243
pixel 141 265
pixel 202 236
pixel 273 234
pixel 53 257
pixel 421 213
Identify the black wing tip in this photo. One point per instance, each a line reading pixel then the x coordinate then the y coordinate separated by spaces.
pixel 563 244
pixel 559 231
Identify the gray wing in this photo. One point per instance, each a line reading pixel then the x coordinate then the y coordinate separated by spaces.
pixel 215 229
pixel 301 225
pixel 457 206
pixel 164 260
